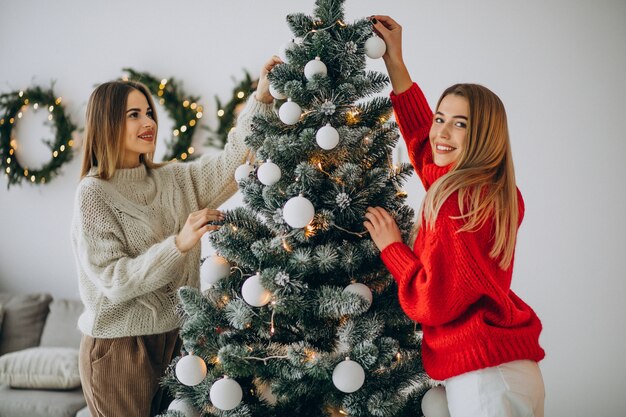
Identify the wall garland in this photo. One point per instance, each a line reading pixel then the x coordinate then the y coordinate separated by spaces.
pixel 12 107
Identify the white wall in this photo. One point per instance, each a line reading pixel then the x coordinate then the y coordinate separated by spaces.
pixel 558 66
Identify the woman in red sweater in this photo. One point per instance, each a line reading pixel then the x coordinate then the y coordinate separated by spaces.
pixel 479 337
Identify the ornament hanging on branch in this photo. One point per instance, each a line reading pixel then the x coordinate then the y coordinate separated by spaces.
pixel 327 137
pixel 361 290
pixel 191 370
pixel 435 403
pixel 298 212
pixel 348 376
pixel 213 269
pixel 290 112
pixel 282 52
pixel 315 67
pixel 183 405
pixel 276 94
pixel 243 171
pixel 226 393
pixel 375 47
pixel 254 293
pixel 269 173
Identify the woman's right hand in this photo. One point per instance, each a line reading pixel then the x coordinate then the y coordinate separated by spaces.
pixel 391 32
pixel 195 227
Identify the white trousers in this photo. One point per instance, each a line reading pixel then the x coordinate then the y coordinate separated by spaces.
pixel 513 389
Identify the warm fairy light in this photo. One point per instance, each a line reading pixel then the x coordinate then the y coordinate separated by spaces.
pixel 192 123
pixel 21 93
pixel 191 150
pixel 398 356
pixel 50 109
pixel 342 412
pixel 401 194
pixel 225 298
pixel 13 143
pixel 26 172
pixel 162 101
pixel 55 154
pixel 193 106
pixel 309 230
pixel 234 228
pixel 341 23
pixel 8 170
pixel 36 106
pixel 183 156
pixel 240 94
pixel 164 81
pixel 26 101
pixel 32 178
pixel 70 143
pixel 161 86
pixel 186 103
pixel 62 148
pixel 160 93
pixel 352 116
pixel 286 245
pixel 199 115
pixel 50 117
pixel 8 160
pixel 183 128
pixel 175 132
pixel 19 115
pixel 58 101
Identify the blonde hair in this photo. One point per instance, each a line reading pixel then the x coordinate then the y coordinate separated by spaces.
pixel 105 124
pixel 483 175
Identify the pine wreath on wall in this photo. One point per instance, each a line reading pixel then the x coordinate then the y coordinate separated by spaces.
pixel 12 108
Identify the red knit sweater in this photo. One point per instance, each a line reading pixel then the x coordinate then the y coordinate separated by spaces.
pixel 470 317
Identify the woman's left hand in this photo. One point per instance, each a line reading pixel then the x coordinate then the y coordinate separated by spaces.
pixel 263 88
pixel 382 227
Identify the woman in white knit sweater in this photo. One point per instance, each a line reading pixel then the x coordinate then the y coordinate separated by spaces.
pixel 135 235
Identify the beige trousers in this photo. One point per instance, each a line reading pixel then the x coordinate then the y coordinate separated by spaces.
pixel 120 377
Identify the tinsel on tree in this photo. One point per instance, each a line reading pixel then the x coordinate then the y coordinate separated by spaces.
pixel 297 286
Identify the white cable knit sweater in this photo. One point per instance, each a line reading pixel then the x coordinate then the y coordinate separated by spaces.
pixel 123 232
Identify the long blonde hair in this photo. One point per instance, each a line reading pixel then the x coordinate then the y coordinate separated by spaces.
pixel 105 124
pixel 483 175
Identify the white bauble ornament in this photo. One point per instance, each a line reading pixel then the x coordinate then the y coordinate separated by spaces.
pixel 375 47
pixel 298 212
pixel 327 137
pixel 282 51
pixel 269 173
pixel 213 269
pixel 184 406
pixel 276 94
pixel 348 376
pixel 243 171
pixel 190 370
pixel 435 403
pixel 314 67
pixel 226 394
pixel 289 113
pixel 254 293
pixel 362 290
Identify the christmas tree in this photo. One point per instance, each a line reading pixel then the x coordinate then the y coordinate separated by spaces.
pixel 297 315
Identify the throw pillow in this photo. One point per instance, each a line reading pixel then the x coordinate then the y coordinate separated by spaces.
pixel 24 317
pixel 41 368
pixel 61 329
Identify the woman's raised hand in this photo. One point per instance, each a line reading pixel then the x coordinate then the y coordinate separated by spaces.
pixel 263 88
pixel 391 32
pixel 196 226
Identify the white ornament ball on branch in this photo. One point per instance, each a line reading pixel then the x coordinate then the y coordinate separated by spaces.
pixel 327 137
pixel 314 67
pixel 276 94
pixel 254 293
pixel 213 269
pixel 226 394
pixel 243 171
pixel 298 212
pixel 435 403
pixel 184 406
pixel 190 370
pixel 348 376
pixel 361 290
pixel 282 51
pixel 290 112
pixel 375 47
pixel 269 173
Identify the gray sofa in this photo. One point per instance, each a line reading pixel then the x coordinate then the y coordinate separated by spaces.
pixel 39 357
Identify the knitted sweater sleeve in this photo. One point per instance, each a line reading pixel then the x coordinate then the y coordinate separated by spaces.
pixel 103 258
pixel 414 118
pixel 440 284
pixel 212 177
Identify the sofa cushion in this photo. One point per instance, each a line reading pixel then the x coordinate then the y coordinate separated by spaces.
pixel 24 317
pixel 40 403
pixel 41 368
pixel 61 329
